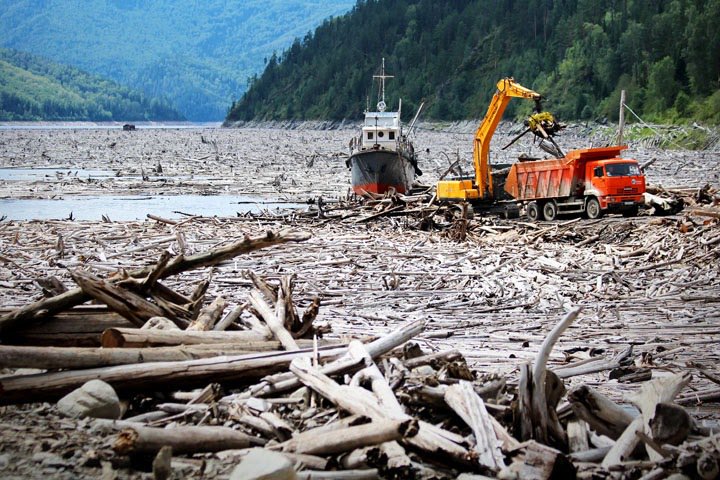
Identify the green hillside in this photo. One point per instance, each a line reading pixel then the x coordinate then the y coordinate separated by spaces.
pixel 197 53
pixel 578 53
pixel 32 88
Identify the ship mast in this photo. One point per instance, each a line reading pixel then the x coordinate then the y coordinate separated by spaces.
pixel 381 104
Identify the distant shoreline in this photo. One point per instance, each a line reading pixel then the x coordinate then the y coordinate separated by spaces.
pixel 39 125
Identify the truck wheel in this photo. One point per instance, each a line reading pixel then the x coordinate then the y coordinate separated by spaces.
pixel 592 208
pixel 533 211
pixel 631 212
pixel 550 211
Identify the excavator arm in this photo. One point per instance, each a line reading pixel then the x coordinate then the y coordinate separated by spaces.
pixel 480 187
pixel 507 88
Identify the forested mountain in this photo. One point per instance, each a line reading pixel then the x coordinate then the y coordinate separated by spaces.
pixel 197 53
pixel 578 53
pixel 32 88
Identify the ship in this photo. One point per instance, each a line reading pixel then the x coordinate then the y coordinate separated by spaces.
pixel 382 158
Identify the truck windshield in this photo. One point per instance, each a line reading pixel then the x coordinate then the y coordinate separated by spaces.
pixel 622 169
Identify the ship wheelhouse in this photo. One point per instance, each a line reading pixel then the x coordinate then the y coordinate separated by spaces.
pixel 381 130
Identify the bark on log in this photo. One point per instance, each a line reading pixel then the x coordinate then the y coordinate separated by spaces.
pixel 43 308
pixel 182 440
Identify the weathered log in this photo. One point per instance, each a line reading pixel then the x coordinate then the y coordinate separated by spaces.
pixel 661 390
pixel 284 308
pixel 182 440
pixel 135 337
pixel 350 438
pixel 126 303
pixel 276 325
pixel 375 349
pixel 392 461
pixel 50 358
pixel 602 414
pixel 208 315
pixel 577 436
pixel 471 408
pixel 41 309
pixel 524 403
pixel 78 327
pixel 359 401
pixel 545 422
pixel 230 318
pixel 670 424
pixel 368 474
pixel 594 366
pixel 541 462
pixel 157 375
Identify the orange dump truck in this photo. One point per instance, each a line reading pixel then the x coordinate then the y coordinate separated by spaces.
pixel 591 181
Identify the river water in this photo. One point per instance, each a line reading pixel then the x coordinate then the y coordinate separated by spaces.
pixel 135 207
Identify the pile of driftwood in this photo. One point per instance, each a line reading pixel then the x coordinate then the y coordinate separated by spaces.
pixel 351 409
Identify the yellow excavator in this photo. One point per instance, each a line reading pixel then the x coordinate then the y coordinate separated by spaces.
pixel 479 188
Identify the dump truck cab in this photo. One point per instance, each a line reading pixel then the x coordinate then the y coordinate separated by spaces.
pixel 617 184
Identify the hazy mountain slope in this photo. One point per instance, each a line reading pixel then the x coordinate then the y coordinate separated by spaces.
pixel 579 54
pixel 32 88
pixel 198 53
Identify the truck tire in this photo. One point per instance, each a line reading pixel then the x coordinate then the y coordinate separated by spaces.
pixel 631 212
pixel 550 211
pixel 533 211
pixel 592 208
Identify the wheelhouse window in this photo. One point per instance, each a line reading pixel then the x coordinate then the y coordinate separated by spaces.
pixel 391 135
pixel 370 135
pixel 622 169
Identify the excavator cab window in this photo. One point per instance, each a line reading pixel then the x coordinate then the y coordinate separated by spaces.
pixel 598 172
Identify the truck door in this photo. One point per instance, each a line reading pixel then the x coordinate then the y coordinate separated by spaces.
pixel 598 180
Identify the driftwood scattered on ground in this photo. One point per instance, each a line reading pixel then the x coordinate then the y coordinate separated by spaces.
pixel 385 407
pixel 402 339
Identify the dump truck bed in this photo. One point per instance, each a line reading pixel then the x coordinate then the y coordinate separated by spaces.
pixel 554 178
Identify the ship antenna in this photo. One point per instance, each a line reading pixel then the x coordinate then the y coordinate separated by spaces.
pixel 381 104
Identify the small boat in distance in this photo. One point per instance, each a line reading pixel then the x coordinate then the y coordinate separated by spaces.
pixel 382 157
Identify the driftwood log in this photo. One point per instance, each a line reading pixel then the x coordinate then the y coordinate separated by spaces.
pixel 41 309
pixel 182 440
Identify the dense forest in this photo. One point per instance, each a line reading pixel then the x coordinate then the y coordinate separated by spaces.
pixel 197 53
pixel 32 88
pixel 578 53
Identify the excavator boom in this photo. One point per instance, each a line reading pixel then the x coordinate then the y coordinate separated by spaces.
pixel 482 188
pixel 507 88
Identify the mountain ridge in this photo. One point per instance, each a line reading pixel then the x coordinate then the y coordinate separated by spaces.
pixel 34 88
pixel 578 54
pixel 198 54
